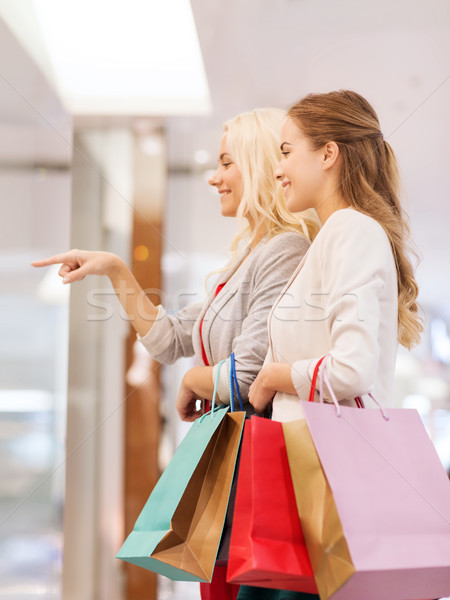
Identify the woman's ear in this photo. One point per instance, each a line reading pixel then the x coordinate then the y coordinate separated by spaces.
pixel 330 155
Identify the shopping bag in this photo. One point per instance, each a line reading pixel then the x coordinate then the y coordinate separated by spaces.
pixel 224 547
pixel 373 500
pixel 178 531
pixel 219 589
pixel 267 548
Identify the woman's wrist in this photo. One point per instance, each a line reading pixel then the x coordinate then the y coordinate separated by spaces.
pixel 199 380
pixel 116 269
pixel 267 377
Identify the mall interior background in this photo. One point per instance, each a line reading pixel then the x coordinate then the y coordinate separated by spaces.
pixel 111 115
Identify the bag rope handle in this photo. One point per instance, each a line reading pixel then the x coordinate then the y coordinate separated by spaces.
pixel 234 383
pixel 312 390
pixel 213 401
pixel 324 378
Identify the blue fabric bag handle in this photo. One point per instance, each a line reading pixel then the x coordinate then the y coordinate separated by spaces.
pixel 234 383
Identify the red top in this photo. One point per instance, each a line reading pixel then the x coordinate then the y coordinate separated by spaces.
pixel 205 360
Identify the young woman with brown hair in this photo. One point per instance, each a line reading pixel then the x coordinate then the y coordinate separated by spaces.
pixel 353 296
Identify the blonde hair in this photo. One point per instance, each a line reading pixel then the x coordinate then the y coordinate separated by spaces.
pixel 254 141
pixel 369 181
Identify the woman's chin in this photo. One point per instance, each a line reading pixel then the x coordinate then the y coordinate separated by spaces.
pixel 294 205
pixel 228 211
pixel 291 205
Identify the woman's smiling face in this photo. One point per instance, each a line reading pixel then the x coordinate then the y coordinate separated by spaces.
pixel 228 180
pixel 300 171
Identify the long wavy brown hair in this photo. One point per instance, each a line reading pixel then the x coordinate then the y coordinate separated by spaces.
pixel 369 181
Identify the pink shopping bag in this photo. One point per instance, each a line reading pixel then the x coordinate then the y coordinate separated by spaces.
pixel 373 500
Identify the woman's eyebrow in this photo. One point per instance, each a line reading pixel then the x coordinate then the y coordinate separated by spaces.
pixel 284 144
pixel 222 156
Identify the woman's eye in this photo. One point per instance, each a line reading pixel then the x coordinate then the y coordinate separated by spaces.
pixel 285 153
pixel 226 164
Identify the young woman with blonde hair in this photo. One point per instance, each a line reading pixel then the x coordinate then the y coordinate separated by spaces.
pixel 353 297
pixel 265 252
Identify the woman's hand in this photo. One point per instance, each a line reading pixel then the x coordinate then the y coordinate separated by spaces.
pixel 197 384
pixel 76 264
pixel 273 378
pixel 187 402
pixel 262 391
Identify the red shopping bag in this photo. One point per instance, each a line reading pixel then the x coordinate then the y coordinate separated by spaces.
pixel 219 589
pixel 267 548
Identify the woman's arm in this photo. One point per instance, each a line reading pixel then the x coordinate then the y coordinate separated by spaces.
pixel 273 378
pixel 76 264
pixel 196 384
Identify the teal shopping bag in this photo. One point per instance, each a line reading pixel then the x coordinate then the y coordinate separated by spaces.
pixel 178 531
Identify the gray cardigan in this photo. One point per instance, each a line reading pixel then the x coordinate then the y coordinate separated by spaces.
pixel 235 320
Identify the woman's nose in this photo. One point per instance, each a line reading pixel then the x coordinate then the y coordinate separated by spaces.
pixel 278 173
pixel 214 179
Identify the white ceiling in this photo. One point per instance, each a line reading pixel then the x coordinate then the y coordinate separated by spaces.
pixel 271 53
pixel 35 129
pixel 124 58
pixel 114 57
pixel 397 54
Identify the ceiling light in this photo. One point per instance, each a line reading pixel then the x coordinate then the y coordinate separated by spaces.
pixel 117 57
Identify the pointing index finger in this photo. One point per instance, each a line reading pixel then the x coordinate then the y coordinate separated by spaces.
pixel 52 260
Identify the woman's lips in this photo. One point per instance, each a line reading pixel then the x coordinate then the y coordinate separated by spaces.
pixel 287 186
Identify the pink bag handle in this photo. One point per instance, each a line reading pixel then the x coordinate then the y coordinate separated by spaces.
pixel 359 402
pixel 324 377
